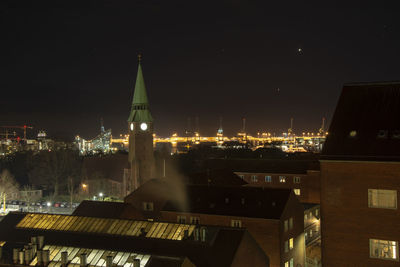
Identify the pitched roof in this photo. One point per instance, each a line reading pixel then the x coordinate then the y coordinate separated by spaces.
pixel 252 202
pixel 104 209
pixel 140 105
pixel 295 166
pixel 366 123
pixel 219 249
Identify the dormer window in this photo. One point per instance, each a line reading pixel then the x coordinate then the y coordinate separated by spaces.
pixel 382 134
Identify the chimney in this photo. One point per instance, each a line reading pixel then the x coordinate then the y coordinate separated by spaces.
pixel 83 260
pixel 203 232
pixel 46 257
pixel 136 263
pixel 185 234
pixel 27 255
pixel 64 258
pixel 109 261
pixel 21 257
pixel 196 234
pixel 40 242
pixel 39 257
pixel 15 255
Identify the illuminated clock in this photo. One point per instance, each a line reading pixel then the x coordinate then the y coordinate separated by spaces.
pixel 143 126
pixel 132 126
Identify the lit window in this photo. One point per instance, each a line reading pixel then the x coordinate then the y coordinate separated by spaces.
pixel 291 223
pixel 379 198
pixel 181 219
pixel 268 178
pixel 286 225
pixel 148 206
pixel 287 264
pixel 282 179
pixel 353 134
pixel 296 180
pixel 291 243
pixel 317 212
pixel 311 233
pixel 297 191
pixel 236 223
pixel 305 217
pixel 383 249
pixel 286 246
pixel 254 178
pixel 291 262
pixel 194 220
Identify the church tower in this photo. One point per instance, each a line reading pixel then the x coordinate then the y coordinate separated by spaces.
pixel 140 123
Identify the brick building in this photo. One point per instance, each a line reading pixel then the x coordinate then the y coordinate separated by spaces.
pixel 306 185
pixel 274 217
pixel 360 171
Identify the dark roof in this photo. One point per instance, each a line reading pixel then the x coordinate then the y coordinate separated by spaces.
pixel 105 209
pixel 215 177
pixel 253 202
pixel 366 123
pixel 308 206
pixel 294 166
pixel 106 166
pixel 219 250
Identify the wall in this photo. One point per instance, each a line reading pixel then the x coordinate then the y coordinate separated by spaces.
pixel 347 222
pixel 309 183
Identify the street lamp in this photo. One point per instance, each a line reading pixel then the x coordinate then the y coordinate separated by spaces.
pixel 101 195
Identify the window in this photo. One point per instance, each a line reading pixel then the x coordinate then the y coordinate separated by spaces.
pixel 291 243
pixel 181 219
pixel 382 134
pixel 287 264
pixel 317 212
pixel 305 217
pixel 236 223
pixel 384 249
pixel 254 178
pixel 194 220
pixel 291 223
pixel 282 179
pixel 380 198
pixel 296 180
pixel 291 262
pixel 241 176
pixel 148 206
pixel 297 191
pixel 268 178
pixel 286 225
pixel 311 233
pixel 286 246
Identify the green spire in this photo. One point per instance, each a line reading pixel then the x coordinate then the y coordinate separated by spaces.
pixel 140 105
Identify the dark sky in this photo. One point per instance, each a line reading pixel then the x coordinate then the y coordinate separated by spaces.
pixel 63 67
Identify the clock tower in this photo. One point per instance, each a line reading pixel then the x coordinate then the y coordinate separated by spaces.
pixel 140 123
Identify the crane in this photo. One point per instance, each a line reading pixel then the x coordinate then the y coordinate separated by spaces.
pixel 24 127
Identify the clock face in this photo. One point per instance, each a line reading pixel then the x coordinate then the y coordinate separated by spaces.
pixel 132 126
pixel 143 126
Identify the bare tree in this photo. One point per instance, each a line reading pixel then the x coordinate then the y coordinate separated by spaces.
pixel 28 194
pixel 8 187
pixel 51 168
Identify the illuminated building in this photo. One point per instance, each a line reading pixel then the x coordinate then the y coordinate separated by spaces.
pixel 140 123
pixel 59 240
pixel 262 212
pixel 360 178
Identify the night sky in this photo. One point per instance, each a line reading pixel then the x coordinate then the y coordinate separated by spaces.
pixel 63 67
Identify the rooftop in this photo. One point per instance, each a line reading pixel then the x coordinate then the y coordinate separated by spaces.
pixel 366 123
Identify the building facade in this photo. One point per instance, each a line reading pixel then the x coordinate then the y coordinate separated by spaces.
pixel 360 178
